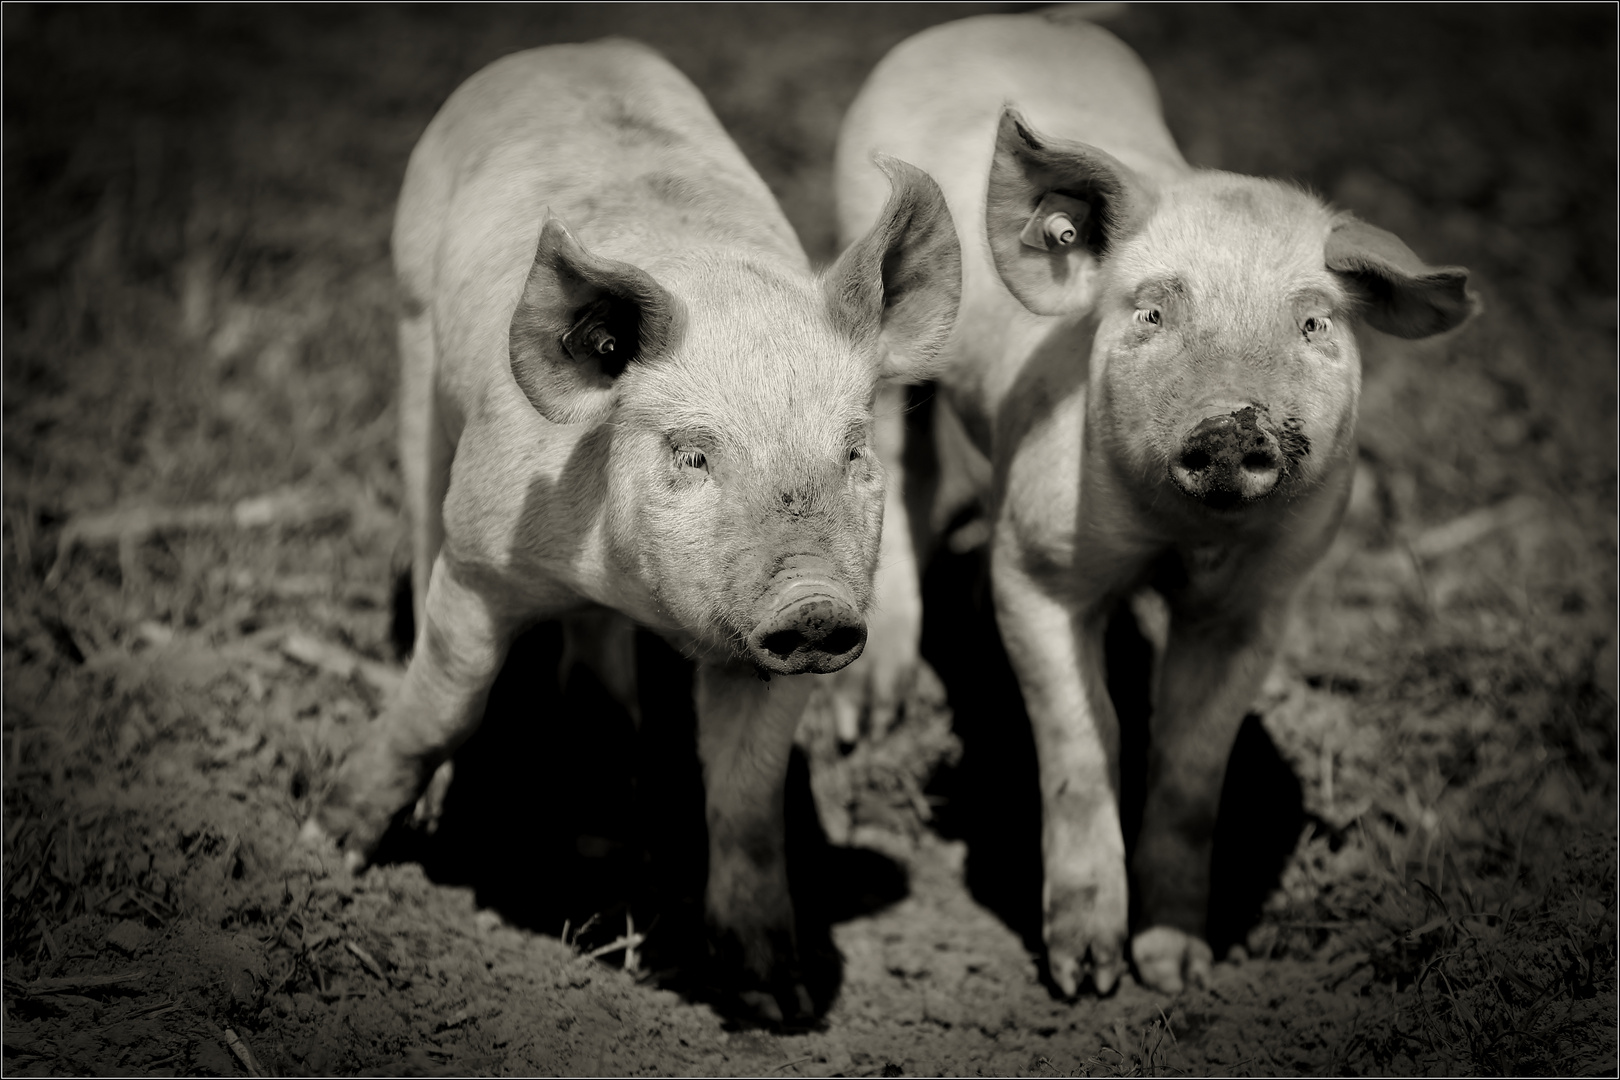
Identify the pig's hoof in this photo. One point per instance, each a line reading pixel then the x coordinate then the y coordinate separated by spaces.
pixel 1101 963
pixel 1086 937
pixel 315 837
pixel 1171 960
pixel 429 808
pixel 783 1001
pixel 763 984
pixel 786 1007
pixel 347 825
pixel 763 1006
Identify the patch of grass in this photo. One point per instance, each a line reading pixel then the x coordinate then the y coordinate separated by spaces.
pixel 1516 983
pixel 1494 957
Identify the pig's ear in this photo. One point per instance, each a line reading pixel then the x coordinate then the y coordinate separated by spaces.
pixel 582 318
pixel 1053 207
pixel 902 281
pixel 1401 294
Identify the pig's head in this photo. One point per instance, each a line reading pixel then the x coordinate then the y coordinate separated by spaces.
pixel 1224 363
pixel 742 489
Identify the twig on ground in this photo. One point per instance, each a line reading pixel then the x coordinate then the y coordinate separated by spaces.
pixel 157 1009
pixel 584 928
pixel 130 525
pixel 1472 526
pixel 74 984
pixel 232 849
pixel 627 941
pixel 366 960
pixel 243 1053
pixel 326 656
pixel 49 939
pixel 632 962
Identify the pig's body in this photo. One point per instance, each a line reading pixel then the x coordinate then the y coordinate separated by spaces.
pixel 1153 364
pixel 662 413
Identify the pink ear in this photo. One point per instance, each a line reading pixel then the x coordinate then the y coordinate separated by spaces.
pixel 1404 296
pixel 902 281
pixel 1052 208
pixel 582 318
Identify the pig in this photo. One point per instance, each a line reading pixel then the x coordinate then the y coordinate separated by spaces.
pixel 624 390
pixel 1156 375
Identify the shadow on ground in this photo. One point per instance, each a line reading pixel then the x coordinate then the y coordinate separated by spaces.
pixel 991 799
pixel 567 820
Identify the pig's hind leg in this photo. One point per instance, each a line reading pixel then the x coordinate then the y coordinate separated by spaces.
pixel 460 646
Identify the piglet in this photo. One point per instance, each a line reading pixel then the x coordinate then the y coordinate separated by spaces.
pixel 623 389
pixel 1156 373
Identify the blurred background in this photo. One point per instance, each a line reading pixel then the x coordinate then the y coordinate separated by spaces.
pixel 202 503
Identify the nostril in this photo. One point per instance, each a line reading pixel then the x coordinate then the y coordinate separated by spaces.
pixel 841 640
pixel 1259 461
pixel 1195 460
pixel 782 643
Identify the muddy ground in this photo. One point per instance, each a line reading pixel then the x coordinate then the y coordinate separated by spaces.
pixel 1416 871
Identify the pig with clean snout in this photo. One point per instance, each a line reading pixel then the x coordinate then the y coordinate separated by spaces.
pixel 624 389
pixel 1156 370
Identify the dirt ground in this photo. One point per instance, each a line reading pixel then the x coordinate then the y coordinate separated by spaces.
pixel 202 530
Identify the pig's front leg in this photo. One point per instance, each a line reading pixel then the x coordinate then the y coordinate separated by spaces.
pixel 460 646
pixel 1213 668
pixel 1058 657
pixel 745 734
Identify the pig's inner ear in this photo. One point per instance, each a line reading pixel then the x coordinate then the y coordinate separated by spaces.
pixel 902 281
pixel 1401 294
pixel 1052 208
pixel 581 320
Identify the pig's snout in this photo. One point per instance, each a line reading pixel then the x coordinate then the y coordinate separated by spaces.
pixel 807 621
pixel 1228 459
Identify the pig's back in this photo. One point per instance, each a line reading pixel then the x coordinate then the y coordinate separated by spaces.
pixel 934 101
pixel 607 136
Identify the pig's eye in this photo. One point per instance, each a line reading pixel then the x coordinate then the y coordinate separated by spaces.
pixel 1316 325
pixel 690 458
pixel 1148 316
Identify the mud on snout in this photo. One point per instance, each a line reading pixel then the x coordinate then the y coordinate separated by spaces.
pixel 1230 458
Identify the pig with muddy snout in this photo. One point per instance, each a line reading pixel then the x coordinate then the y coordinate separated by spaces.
pixel 624 389
pixel 1156 374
